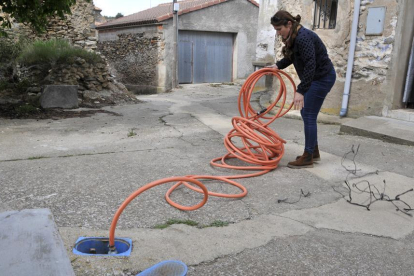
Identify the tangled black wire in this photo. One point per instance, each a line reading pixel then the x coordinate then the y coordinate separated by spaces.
pixel 302 194
pixel 374 193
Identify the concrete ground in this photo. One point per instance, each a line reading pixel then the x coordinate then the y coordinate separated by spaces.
pixel 82 169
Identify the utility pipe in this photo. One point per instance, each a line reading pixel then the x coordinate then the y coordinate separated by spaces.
pixel 351 54
pixel 175 45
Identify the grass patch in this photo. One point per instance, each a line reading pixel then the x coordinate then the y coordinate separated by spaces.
pixel 216 223
pixel 36 157
pixel 176 221
pixel 26 109
pixel 18 87
pixel 10 50
pixel 215 84
pixel 131 133
pixel 220 84
pixel 55 51
pixel 5 85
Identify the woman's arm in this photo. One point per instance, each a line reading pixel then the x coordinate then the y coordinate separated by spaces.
pixel 283 63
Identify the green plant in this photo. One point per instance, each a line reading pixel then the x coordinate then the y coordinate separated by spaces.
pixel 4 85
pixel 21 86
pixel 36 157
pixel 26 109
pixel 218 223
pixel 55 51
pixel 215 84
pixel 131 133
pixel 10 50
pixel 175 221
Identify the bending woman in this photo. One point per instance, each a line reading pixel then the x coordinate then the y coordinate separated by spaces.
pixel 317 75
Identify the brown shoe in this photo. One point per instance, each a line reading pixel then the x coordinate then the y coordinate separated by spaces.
pixel 316 155
pixel 304 161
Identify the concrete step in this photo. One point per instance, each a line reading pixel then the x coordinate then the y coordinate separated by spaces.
pixel 31 244
pixel 386 129
pixel 401 114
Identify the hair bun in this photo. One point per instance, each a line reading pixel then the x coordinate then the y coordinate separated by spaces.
pixel 298 18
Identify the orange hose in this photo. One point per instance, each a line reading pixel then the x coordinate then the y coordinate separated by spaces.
pixel 262 148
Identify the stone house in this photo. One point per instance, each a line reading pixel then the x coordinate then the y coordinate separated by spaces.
pixel 381 80
pixel 216 43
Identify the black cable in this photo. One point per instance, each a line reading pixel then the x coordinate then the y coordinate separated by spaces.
pixel 293 202
pixel 374 193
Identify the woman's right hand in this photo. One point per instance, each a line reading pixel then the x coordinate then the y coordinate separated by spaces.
pixel 274 66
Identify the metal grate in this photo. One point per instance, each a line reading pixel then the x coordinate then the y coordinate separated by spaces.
pixel 325 14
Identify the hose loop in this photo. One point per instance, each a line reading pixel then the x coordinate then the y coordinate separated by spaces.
pixel 250 140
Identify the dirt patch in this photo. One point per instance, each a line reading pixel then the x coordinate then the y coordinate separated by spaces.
pixel 13 106
pixel 14 111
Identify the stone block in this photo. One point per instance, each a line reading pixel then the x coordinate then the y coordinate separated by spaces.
pixel 31 244
pixel 62 96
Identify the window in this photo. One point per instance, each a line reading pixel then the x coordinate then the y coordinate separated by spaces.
pixel 325 14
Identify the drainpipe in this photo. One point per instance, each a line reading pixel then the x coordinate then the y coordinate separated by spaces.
pixel 175 45
pixel 351 54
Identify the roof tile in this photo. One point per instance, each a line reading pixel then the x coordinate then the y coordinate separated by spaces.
pixel 162 12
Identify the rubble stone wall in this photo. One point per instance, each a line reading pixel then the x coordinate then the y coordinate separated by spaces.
pixel 95 84
pixel 78 27
pixel 87 76
pixel 372 59
pixel 133 58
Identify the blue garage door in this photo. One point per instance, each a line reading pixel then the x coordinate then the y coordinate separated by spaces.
pixel 205 57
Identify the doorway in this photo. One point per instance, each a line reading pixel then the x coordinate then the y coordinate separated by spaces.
pixel 205 57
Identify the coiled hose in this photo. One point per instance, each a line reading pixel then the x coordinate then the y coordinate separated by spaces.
pixel 262 148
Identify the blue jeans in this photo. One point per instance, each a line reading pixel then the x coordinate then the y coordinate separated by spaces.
pixel 313 100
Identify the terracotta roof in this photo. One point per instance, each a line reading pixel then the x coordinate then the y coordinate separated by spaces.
pixel 163 12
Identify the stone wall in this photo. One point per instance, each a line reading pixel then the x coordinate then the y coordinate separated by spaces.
pixel 95 84
pixel 86 76
pixel 133 59
pixel 78 27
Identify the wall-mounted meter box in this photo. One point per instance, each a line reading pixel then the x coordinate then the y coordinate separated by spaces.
pixel 375 20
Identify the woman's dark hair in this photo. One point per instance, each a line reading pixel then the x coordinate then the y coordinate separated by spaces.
pixel 282 18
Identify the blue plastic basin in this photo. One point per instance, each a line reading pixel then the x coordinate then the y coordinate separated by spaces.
pixel 99 246
pixel 170 268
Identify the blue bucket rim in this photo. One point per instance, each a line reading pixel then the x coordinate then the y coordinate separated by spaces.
pixel 150 269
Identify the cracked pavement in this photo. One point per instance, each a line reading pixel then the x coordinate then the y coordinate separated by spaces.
pixel 83 168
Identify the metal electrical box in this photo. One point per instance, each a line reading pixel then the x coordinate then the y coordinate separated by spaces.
pixel 375 20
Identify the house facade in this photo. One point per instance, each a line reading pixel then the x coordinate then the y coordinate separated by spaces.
pixel 216 43
pixel 381 64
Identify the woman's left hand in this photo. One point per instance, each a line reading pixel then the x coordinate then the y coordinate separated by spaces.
pixel 298 102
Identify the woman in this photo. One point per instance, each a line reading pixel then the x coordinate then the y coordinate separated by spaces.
pixel 317 75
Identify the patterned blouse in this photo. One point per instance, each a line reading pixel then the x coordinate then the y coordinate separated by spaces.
pixel 309 57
